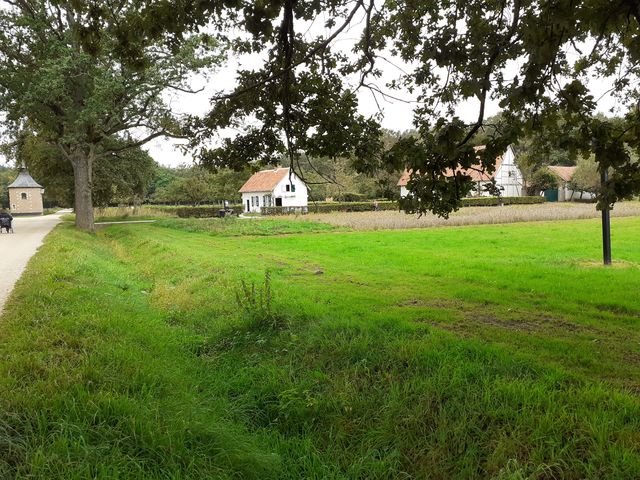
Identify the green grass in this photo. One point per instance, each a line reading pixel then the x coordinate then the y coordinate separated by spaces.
pixel 71 217
pixel 234 227
pixel 474 352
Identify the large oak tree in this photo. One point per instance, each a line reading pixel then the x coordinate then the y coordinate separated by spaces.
pixel 90 78
pixel 121 177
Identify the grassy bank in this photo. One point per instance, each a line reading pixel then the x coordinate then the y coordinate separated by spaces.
pixel 474 352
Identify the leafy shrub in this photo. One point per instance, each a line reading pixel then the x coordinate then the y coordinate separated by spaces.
pixel 544 179
pixel 493 201
pixel 326 207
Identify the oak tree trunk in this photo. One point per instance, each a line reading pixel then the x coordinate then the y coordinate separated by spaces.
pixel 83 187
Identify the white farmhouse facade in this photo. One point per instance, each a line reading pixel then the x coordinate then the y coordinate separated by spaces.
pixel 279 187
pixel 507 176
pixel 565 193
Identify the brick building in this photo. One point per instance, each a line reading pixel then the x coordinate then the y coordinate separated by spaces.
pixel 25 195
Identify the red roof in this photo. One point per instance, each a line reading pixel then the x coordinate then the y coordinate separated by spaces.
pixel 264 181
pixel 565 173
pixel 476 173
pixel 404 179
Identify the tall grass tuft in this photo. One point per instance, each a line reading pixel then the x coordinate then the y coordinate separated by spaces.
pixel 124 212
pixel 256 303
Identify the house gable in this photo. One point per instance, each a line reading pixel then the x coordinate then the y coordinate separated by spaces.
pixel 274 188
pixel 506 174
pixel 264 181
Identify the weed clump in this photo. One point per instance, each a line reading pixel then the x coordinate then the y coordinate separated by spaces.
pixel 256 304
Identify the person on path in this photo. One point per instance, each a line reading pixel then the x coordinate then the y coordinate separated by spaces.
pixel 5 220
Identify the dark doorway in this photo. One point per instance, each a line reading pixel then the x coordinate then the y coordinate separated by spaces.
pixel 247 205
pixel 278 202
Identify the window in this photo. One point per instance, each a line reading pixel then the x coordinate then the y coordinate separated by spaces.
pixel 288 188
pixel 23 195
pixel 252 200
pixel 293 187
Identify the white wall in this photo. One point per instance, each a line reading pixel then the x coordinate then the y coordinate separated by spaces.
pixel 565 194
pixel 509 176
pixel 299 198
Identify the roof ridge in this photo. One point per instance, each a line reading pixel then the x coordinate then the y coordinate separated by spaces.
pixel 264 180
pixel 24 180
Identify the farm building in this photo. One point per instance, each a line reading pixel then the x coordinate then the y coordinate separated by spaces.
pixel 25 194
pixel 274 188
pixel 507 175
pixel 565 193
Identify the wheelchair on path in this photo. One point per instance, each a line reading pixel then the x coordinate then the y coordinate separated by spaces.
pixel 6 224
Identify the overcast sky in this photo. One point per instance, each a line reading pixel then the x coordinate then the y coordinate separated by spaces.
pixel 397 115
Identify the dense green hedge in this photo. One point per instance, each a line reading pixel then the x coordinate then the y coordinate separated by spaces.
pixel 204 211
pixel 492 201
pixel 326 207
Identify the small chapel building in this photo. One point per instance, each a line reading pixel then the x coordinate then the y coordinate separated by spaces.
pixel 25 195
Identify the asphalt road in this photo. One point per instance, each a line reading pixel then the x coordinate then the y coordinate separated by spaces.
pixel 17 249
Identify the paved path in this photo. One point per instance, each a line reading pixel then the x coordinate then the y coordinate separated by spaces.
pixel 17 249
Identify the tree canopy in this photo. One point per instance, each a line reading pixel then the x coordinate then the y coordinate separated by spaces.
pixel 586 177
pixel 536 59
pixel 7 175
pixel 123 177
pixel 197 185
pixel 89 79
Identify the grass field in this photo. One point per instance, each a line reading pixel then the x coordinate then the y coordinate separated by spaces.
pixel 499 351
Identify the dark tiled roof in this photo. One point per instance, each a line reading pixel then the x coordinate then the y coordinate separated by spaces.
pixel 24 180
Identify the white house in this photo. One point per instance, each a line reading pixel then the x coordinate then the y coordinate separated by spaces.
pixel 507 175
pixel 565 193
pixel 274 188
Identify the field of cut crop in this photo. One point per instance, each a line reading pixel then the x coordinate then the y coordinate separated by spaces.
pixel 387 220
pixel 197 349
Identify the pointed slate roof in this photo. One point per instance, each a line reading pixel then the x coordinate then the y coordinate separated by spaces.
pixel 24 180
